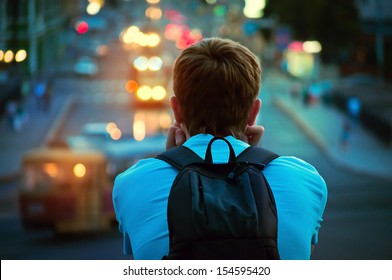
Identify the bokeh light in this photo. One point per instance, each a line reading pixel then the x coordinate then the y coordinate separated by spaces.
pixel 79 170
pixel 8 56
pixel 20 56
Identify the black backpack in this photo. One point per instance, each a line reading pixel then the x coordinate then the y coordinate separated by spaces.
pixel 221 211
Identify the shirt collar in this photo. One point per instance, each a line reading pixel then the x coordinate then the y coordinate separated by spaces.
pixel 198 143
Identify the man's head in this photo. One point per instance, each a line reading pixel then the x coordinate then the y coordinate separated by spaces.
pixel 216 82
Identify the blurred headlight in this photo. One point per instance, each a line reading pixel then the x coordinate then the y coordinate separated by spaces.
pixel 79 170
pixel 141 63
pixel 158 93
pixel 155 63
pixel 144 93
pixel 153 39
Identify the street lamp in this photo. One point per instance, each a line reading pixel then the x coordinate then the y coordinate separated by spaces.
pixel 8 56
pixel 20 56
pixel 254 8
pixel 312 46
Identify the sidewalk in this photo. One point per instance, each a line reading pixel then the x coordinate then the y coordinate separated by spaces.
pixel 323 125
pixel 39 130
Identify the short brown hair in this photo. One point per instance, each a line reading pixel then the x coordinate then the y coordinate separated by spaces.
pixel 216 81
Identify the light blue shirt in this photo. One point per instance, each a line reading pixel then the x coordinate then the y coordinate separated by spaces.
pixel 141 193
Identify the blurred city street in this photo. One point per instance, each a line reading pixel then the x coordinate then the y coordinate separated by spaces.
pixel 365 157
pixel 321 123
pixel 356 163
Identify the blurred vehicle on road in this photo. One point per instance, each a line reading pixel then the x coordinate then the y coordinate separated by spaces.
pixel 65 190
pixel 69 189
pixel 146 138
pixel 86 66
pixel 150 63
pixel 150 81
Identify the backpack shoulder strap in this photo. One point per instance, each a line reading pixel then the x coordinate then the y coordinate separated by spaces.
pixel 179 157
pixel 257 155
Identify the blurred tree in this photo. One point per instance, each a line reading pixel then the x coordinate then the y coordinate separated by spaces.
pixel 335 24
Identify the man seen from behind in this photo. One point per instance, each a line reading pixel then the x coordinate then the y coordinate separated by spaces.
pixel 216 84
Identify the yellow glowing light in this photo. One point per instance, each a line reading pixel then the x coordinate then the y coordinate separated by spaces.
pixel 131 35
pixel 127 38
pixel 300 64
pixel 142 39
pixel 8 56
pixel 144 93
pixel 93 8
pixel 1 55
pixel 156 14
pixel 312 47
pixel 153 1
pixel 139 130
pixel 133 29
pixel 79 170
pixel 158 93
pixel 148 11
pixel 51 169
pixel 254 8
pixel 153 39
pixel 153 13
pixel 20 55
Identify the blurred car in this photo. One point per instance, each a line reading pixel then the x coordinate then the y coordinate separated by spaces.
pixel 86 66
pixel 150 81
pixel 68 191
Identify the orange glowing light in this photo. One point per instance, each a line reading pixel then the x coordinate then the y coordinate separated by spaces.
pixel 131 86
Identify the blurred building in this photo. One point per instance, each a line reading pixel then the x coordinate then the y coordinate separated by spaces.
pixel 32 40
pixel 372 54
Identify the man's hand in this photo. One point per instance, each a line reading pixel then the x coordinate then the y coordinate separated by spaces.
pixel 176 135
pixel 254 134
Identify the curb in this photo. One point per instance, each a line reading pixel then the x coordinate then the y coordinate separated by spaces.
pixel 319 141
pixel 308 130
pixel 59 121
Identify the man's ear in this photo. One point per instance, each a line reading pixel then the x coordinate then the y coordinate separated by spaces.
pixel 175 106
pixel 254 111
